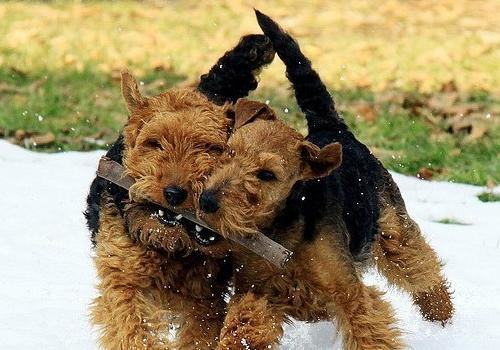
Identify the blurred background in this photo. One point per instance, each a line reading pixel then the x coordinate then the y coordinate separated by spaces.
pixel 418 81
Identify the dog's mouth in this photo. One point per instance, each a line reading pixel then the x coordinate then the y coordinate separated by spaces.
pixel 167 217
pixel 200 234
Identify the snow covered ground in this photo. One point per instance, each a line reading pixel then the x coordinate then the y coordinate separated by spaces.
pixel 47 278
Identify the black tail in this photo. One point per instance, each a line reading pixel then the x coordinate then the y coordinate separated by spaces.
pixel 234 74
pixel 312 95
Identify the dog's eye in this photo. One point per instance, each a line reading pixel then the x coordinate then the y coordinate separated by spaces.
pixel 153 143
pixel 266 175
pixel 215 149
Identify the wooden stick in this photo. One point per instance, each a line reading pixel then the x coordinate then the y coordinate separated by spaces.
pixel 260 244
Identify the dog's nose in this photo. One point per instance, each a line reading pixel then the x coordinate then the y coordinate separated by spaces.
pixel 208 202
pixel 174 195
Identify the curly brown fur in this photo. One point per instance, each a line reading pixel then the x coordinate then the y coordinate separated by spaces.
pixel 265 161
pixel 171 140
pixel 269 181
pixel 404 257
pixel 435 303
pixel 151 263
pixel 154 155
pixel 251 323
pixel 246 200
pixel 140 290
pixel 372 206
pixel 233 76
pixel 319 283
pixel 144 227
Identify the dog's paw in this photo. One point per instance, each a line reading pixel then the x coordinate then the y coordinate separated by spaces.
pixel 154 227
pixel 436 304
pixel 257 50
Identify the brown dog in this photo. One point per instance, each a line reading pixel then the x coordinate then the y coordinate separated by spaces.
pixel 330 201
pixel 252 190
pixel 157 270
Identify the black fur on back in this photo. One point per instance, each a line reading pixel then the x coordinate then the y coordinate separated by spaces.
pixel 353 187
pixel 99 186
pixel 234 74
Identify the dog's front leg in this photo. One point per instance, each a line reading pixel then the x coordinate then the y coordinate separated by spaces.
pixel 130 307
pixel 251 323
pixel 364 319
pixel 153 228
pixel 200 322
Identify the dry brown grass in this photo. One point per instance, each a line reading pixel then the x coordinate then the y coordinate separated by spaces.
pixel 376 44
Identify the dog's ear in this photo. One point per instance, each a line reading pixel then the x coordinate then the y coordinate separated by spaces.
pixel 136 105
pixel 131 93
pixel 246 111
pixel 319 162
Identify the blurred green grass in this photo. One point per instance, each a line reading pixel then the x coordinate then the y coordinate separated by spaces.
pixel 73 105
pixel 489 197
pixel 78 106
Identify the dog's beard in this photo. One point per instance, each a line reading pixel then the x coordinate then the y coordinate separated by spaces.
pixel 244 221
pixel 140 192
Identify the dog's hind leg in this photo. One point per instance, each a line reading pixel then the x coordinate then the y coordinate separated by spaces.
pixel 364 319
pixel 128 309
pixel 195 301
pixel 402 255
pixel 251 323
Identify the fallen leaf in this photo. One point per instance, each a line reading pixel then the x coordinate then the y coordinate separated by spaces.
pixel 366 111
pixel 9 89
pixel 18 71
pixel 386 153
pixel 449 86
pixel 98 135
pixel 93 141
pixel 478 131
pixel 116 74
pixel 474 126
pixel 460 109
pixel 43 140
pixel 425 173
pixel 490 184
pixel 164 66
pixel 413 103
pixel 20 135
pixel 441 102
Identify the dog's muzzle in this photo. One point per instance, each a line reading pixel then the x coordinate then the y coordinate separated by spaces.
pixel 201 235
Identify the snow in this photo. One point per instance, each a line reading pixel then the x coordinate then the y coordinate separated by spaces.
pixel 47 277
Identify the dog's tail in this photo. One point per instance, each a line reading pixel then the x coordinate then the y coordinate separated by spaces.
pixel 312 95
pixel 235 74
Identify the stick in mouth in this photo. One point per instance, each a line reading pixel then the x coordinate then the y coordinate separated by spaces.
pixel 260 244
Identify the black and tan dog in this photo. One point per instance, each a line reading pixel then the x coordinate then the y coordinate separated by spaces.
pixel 156 269
pixel 329 200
